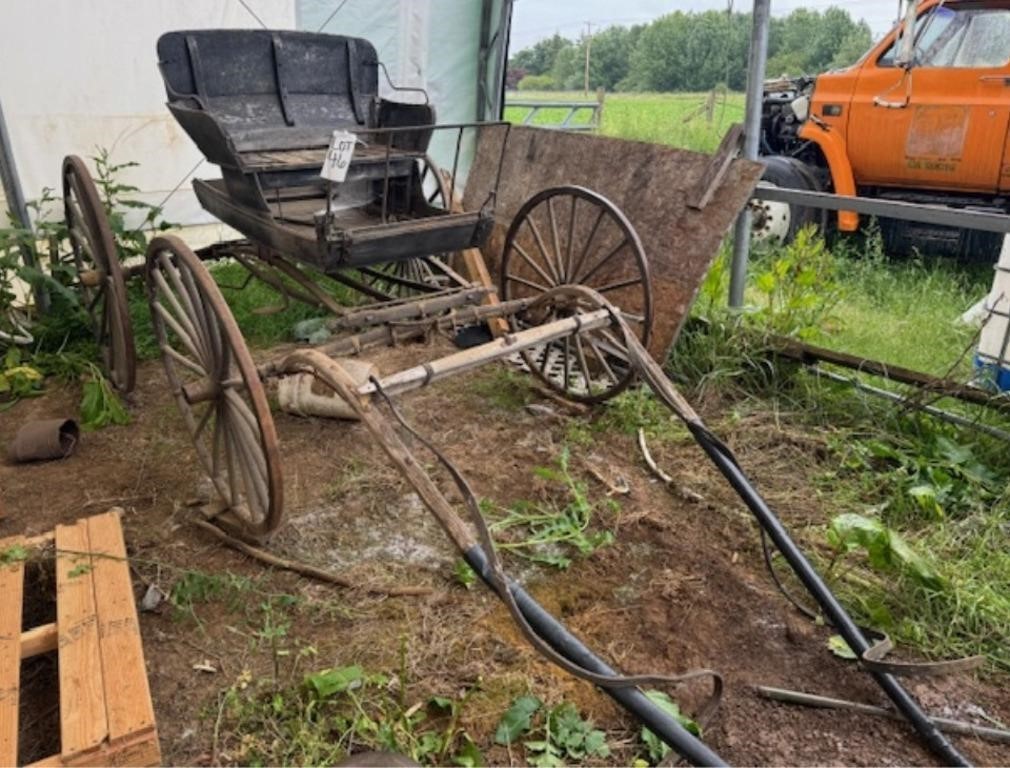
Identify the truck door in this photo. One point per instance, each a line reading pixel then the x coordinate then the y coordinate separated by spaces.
pixel 941 125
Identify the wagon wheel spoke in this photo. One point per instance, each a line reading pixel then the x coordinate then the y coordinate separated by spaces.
pixel 202 423
pixel 180 333
pixel 619 285
pixel 570 241
pixel 536 267
pixel 565 362
pixel 574 274
pixel 597 249
pixel 602 358
pixel 184 361
pixel 555 277
pixel 529 283
pixel 584 279
pixel 178 319
pixel 580 355
pixel 181 298
pixel 555 240
pixel 613 347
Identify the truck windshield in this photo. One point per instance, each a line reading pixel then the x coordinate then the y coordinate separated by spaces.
pixel 969 38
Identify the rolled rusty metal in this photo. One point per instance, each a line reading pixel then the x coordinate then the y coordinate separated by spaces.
pixel 44 439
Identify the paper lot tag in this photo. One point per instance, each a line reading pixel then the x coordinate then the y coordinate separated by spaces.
pixel 338 156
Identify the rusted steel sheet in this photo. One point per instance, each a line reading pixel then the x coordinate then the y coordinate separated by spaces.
pixel 652 184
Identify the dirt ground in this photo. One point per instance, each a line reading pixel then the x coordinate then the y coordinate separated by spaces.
pixel 682 586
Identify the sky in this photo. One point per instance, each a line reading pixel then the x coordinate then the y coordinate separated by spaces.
pixel 533 20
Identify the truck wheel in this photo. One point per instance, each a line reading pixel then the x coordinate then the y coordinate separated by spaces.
pixel 781 221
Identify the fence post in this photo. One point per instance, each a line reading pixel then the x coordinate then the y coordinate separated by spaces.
pixel 752 137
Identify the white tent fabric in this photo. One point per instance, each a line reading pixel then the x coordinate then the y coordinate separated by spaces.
pixel 80 74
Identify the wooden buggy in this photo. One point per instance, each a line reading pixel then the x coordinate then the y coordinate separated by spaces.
pixel 263 106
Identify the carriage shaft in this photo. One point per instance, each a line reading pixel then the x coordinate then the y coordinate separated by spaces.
pixel 422 375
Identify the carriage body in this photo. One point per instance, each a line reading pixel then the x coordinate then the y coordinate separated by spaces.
pixel 263 106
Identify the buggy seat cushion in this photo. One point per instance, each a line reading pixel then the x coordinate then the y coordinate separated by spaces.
pixel 239 91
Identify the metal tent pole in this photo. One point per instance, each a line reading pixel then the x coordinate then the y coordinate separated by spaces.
pixel 752 138
pixel 16 204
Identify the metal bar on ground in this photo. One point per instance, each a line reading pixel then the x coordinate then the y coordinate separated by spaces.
pixel 894 397
pixel 807 353
pixel 892 209
pixel 752 137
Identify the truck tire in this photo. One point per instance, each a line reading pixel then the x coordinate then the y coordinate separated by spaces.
pixel 781 221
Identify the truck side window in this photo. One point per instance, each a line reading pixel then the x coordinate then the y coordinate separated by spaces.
pixel 958 38
pixel 970 39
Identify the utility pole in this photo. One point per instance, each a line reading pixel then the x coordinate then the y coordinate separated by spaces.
pixel 589 45
pixel 752 137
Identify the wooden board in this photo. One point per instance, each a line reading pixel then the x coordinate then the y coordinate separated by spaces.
pixel 127 695
pixel 83 722
pixel 476 271
pixel 11 598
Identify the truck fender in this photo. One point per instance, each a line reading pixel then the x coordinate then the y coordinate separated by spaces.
pixel 842 179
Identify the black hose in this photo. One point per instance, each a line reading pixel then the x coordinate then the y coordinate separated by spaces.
pixel 820 591
pixel 685 743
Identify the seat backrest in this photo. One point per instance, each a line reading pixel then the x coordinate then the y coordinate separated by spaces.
pixel 269 90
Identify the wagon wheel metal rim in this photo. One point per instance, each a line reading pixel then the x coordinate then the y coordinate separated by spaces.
pixel 94 253
pixel 217 388
pixel 422 274
pixel 570 235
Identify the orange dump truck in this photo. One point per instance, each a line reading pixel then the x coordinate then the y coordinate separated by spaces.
pixel 922 119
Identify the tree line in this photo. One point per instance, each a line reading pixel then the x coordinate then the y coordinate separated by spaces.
pixel 690 52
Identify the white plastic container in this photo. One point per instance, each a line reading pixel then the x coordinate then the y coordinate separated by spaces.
pixel 304 395
pixel 993 355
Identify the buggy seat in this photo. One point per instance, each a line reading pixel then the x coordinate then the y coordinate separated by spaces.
pixel 263 104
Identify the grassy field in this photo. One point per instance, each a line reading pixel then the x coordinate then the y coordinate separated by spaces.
pixel 677 119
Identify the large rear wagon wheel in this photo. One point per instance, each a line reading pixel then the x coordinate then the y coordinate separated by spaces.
pixel 573 236
pixel 99 275
pixel 218 390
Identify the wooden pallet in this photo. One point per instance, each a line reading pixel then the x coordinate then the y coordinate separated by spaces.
pixel 106 716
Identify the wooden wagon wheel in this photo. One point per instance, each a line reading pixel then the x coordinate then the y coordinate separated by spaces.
pixel 412 277
pixel 99 274
pixel 573 236
pixel 217 388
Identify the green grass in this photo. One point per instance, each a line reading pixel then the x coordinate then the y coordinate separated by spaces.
pixel 675 119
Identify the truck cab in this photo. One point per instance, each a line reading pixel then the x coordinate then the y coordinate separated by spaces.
pixel 930 129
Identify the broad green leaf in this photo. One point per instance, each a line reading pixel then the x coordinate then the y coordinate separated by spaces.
pixel 333 681
pixel 517 719
pixel 658 749
pixel 469 755
pixel 841 649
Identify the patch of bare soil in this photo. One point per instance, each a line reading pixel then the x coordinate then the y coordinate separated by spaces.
pixel 682 586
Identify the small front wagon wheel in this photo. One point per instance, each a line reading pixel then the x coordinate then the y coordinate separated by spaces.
pixel 573 236
pixel 98 274
pixel 217 387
